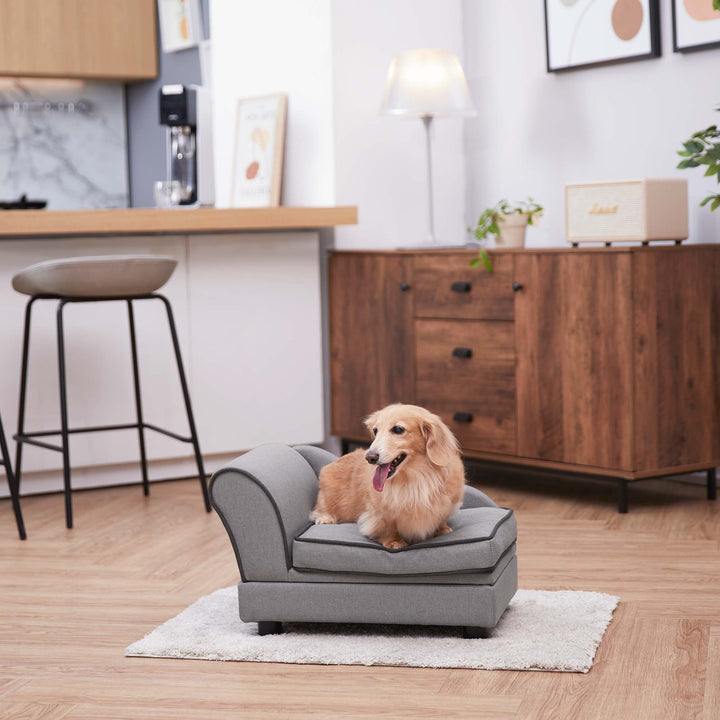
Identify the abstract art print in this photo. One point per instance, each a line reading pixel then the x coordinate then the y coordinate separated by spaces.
pixel 259 146
pixel 696 25
pixel 584 33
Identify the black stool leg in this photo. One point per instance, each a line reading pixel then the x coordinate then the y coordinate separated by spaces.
pixel 64 416
pixel 622 496
pixel 712 484
pixel 12 484
pixel 23 388
pixel 138 403
pixel 188 408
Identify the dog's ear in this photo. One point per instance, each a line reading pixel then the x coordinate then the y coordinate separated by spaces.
pixel 370 421
pixel 440 443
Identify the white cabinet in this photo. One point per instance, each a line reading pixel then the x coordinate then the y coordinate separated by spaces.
pixel 255 339
pixel 248 313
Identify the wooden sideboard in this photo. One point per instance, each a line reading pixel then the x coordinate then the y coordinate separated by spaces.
pixel 603 362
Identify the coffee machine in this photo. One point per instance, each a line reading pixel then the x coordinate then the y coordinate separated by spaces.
pixel 187 113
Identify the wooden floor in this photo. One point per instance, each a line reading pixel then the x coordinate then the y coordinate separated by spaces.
pixel 71 601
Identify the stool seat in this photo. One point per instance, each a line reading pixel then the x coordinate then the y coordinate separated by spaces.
pixel 101 276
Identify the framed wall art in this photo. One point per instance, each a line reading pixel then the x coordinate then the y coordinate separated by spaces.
pixel 586 33
pixel 696 25
pixel 259 148
pixel 180 24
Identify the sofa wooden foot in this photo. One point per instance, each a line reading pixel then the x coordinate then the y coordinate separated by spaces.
pixel 471 631
pixel 269 627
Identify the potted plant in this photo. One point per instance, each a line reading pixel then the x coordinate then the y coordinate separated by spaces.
pixel 507 222
pixel 703 148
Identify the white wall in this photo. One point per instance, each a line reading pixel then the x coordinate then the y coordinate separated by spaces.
pixel 536 131
pixel 259 48
pixel 380 161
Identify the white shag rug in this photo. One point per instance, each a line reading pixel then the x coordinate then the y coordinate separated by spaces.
pixel 540 630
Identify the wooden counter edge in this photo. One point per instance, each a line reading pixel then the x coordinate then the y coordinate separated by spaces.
pixel 181 221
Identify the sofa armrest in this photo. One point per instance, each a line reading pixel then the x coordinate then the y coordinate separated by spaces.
pixel 264 499
pixel 475 498
pixel 317 457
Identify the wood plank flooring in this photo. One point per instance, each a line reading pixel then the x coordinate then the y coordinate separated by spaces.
pixel 71 601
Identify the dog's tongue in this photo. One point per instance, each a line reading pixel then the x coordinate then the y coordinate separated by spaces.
pixel 380 476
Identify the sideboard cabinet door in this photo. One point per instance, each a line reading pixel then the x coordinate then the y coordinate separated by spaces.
pixel 573 339
pixel 371 337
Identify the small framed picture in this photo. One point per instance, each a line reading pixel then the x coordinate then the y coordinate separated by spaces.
pixel 180 24
pixel 696 25
pixel 259 148
pixel 585 33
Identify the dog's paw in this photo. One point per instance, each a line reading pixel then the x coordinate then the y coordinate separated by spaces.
pixel 443 530
pixel 394 544
pixel 324 519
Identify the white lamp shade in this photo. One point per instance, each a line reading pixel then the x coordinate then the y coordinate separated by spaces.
pixel 426 82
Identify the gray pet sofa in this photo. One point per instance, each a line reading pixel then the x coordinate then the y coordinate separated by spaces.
pixel 294 571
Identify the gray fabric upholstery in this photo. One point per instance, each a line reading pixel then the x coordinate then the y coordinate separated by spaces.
pixel 264 498
pixel 479 538
pixel 453 578
pixel 102 276
pixel 475 498
pixel 317 457
pixel 411 604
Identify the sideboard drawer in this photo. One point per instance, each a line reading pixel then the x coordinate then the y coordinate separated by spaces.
pixel 477 425
pixel 447 287
pixel 466 374
pixel 459 358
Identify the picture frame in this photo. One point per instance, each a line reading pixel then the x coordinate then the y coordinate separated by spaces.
pixel 259 151
pixel 180 24
pixel 696 25
pixel 590 33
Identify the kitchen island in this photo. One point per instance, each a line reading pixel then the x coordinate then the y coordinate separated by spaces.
pixel 247 299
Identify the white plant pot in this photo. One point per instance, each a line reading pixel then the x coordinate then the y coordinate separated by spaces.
pixel 512 231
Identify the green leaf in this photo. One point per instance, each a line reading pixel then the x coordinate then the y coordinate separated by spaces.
pixel 486 261
pixel 494 229
pixel 684 153
pixel 706 200
pixel 712 170
pixel 715 204
pixel 716 4
pixel 689 163
pixel 692 146
pixel 475 262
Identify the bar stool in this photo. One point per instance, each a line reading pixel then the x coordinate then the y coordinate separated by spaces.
pixel 12 484
pixel 127 278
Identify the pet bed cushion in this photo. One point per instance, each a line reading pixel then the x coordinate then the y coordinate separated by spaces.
pixel 477 543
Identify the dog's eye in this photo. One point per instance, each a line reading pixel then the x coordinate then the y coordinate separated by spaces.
pixel 374 431
pixel 398 430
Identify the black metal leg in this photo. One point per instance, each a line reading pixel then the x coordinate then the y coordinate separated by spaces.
pixel 344 446
pixel 188 407
pixel 23 388
pixel 138 402
pixel 64 416
pixel 269 627
pixel 12 484
pixel 622 496
pixel 712 484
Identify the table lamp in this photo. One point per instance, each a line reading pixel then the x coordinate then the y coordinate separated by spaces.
pixel 427 84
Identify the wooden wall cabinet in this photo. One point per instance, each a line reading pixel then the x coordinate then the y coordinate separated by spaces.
pixel 598 361
pixel 78 39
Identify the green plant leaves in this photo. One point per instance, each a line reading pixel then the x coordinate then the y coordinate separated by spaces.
pixel 483 258
pixel 703 148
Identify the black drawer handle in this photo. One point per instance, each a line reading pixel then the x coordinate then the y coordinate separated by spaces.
pixel 404 287
pixel 462 353
pixel 517 286
pixel 460 287
pixel 463 417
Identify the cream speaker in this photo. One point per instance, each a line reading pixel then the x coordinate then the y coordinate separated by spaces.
pixel 625 210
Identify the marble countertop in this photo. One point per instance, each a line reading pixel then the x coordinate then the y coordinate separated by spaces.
pixel 175 221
